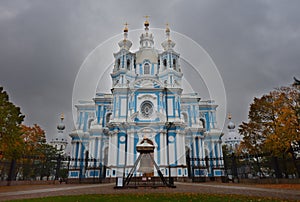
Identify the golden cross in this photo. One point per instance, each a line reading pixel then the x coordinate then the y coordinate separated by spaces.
pixel 229 115
pixel 147 17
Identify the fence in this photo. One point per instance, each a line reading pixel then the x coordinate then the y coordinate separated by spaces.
pixel 237 167
pixel 261 166
pixel 31 168
pixel 234 168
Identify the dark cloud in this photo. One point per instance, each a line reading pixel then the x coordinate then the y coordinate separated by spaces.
pixel 255 45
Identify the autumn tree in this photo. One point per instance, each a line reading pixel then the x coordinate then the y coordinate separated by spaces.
pixel 34 138
pixel 273 124
pixel 285 127
pixel 38 155
pixel 11 117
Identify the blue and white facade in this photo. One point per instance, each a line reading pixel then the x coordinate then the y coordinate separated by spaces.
pixel 146 101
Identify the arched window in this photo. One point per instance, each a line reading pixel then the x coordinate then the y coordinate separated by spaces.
pixel 174 63
pixel 108 118
pixel 118 63
pixel 185 117
pixel 134 63
pixel 90 122
pixel 165 62
pixel 128 64
pixel 146 68
pixel 202 121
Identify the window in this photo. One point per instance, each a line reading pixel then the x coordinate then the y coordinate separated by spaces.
pixel 174 63
pixel 108 118
pixel 147 108
pixel 185 117
pixel 202 122
pixel 146 68
pixel 128 64
pixel 165 62
pixel 118 63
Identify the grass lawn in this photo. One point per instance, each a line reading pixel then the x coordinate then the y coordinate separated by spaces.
pixel 153 197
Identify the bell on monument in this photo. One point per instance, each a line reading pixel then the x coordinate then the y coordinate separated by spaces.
pixel 146 164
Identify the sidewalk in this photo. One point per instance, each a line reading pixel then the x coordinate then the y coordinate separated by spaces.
pixel 37 191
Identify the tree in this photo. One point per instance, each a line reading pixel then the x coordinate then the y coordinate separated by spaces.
pixel 10 131
pixel 273 124
pixel 39 157
pixel 34 139
pixel 285 126
pixel 50 156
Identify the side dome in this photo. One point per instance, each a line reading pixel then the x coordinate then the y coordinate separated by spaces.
pixel 61 126
pixel 231 125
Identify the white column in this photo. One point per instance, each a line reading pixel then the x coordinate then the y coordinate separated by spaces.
pixel 73 153
pixel 217 153
pixel 94 148
pixel 194 150
pixel 79 149
pixel 73 150
pixel 180 149
pixel 90 143
pixel 90 149
pixel 129 148
pixel 220 154
pixel 202 152
pixel 110 150
pixel 213 152
pixel 163 149
pixel 98 153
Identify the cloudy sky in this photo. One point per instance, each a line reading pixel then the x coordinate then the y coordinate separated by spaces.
pixel 254 44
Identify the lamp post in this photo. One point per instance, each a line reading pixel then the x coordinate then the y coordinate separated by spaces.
pixel 168 126
pixel 125 126
pixel 126 141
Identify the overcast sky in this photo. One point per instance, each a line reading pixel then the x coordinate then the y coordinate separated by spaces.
pixel 254 44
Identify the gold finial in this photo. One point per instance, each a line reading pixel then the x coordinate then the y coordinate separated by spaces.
pixel 62 116
pixel 229 116
pixel 167 27
pixel 126 27
pixel 146 23
pixel 168 32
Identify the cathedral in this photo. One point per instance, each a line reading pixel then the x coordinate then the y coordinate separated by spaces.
pixel 146 103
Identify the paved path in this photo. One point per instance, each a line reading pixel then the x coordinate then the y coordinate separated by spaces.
pixel 36 191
